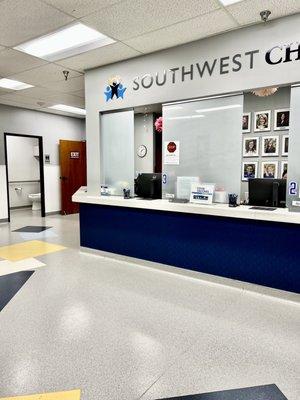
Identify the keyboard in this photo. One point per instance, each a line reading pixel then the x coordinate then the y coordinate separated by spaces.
pixel 175 200
pixel 263 208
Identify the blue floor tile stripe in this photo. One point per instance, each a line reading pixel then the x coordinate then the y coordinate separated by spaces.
pixel 11 284
pixel 266 392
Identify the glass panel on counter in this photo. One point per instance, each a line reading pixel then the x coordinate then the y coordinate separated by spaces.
pixel 202 140
pixel 117 149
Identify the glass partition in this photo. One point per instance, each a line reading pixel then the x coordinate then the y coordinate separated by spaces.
pixel 294 151
pixel 207 135
pixel 117 149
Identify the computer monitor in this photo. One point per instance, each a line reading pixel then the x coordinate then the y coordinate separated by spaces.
pixel 148 186
pixel 267 192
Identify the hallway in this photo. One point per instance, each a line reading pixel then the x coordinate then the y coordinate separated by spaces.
pixel 120 331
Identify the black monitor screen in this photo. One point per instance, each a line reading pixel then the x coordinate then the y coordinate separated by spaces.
pixel 148 186
pixel 267 192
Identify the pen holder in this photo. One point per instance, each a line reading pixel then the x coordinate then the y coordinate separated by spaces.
pixel 233 200
pixel 126 193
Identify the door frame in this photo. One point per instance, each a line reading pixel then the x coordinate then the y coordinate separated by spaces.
pixel 41 166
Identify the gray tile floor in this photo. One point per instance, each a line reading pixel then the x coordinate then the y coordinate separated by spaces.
pixel 121 332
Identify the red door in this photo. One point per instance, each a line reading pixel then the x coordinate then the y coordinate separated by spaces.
pixel 72 172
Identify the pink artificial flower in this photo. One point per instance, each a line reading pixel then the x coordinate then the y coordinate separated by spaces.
pixel 159 124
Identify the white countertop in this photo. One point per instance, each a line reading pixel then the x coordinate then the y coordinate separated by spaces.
pixel 219 210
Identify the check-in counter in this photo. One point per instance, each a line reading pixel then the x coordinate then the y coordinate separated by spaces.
pixel 256 246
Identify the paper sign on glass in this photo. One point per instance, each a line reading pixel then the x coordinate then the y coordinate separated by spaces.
pixel 171 152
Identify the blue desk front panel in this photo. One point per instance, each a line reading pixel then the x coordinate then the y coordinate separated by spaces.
pixel 264 253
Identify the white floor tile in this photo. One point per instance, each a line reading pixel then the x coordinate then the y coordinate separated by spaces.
pixel 9 267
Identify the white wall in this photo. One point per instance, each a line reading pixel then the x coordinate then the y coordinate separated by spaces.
pixel 144 135
pixel 22 165
pixel 3 193
pixel 19 197
pixel 52 128
pixel 52 192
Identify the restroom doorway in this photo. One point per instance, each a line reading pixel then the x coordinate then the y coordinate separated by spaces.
pixel 24 174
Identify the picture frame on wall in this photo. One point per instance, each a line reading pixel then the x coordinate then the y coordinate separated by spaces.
pixel 262 121
pixel 284 170
pixel 269 169
pixel 249 170
pixel 270 146
pixel 281 119
pixel 246 123
pixel 251 146
pixel 285 145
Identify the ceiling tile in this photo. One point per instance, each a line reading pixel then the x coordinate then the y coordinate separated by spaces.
pixel 43 75
pixel 247 11
pixel 21 20
pixel 12 62
pixel 96 58
pixel 37 108
pixel 38 92
pixel 16 104
pixel 196 28
pixel 67 86
pixel 51 111
pixel 131 18
pixel 4 91
pixel 68 99
pixel 79 93
pixel 19 98
pixel 80 8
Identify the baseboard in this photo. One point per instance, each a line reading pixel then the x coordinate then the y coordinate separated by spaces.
pixel 52 213
pixel 2 220
pixel 189 274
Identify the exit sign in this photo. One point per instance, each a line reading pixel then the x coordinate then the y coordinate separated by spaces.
pixel 74 154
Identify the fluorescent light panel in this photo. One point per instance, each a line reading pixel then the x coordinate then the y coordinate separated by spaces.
pixel 66 42
pixel 69 109
pixel 229 2
pixel 13 85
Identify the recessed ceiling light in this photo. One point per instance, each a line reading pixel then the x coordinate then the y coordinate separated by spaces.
pixel 66 42
pixel 228 2
pixel 13 85
pixel 70 109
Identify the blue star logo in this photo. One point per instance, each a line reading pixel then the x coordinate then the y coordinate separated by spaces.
pixel 114 89
pixel 121 91
pixel 108 93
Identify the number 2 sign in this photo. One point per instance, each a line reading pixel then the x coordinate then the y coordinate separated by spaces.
pixel 293 188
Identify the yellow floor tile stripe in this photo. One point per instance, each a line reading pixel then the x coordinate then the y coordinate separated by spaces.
pixel 69 395
pixel 29 249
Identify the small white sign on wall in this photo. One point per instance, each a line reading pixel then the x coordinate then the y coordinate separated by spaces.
pixel 171 152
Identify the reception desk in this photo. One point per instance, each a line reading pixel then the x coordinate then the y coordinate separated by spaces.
pixel 256 246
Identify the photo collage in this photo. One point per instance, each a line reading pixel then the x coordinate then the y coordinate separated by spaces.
pixel 260 143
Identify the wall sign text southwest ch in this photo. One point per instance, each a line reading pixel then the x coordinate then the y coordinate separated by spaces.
pixel 223 65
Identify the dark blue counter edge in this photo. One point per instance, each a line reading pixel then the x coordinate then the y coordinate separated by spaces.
pixel 260 252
